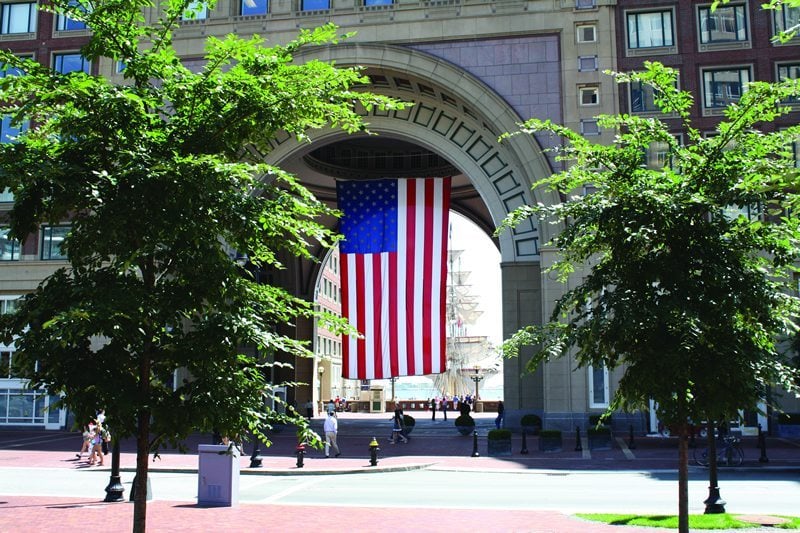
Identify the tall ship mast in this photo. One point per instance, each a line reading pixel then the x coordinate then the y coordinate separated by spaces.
pixel 467 355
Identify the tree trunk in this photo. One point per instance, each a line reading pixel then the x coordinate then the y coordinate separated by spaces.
pixel 140 481
pixel 142 444
pixel 683 479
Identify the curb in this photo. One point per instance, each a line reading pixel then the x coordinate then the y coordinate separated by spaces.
pixel 293 472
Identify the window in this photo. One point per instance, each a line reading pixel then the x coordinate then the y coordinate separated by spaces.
pixel 586 33
pixel 9 248
pixel 598 386
pixel 196 10
pixel 789 71
pixel 588 96
pixel 650 30
pixel 587 63
pixel 590 127
pixel 724 25
pixel 66 63
pixel 584 4
pixel 314 5
pixel 52 240
pixel 254 7
pixel 658 156
pixel 6 195
pixel 18 18
pixel 642 100
pixel 9 131
pixel 378 2
pixel 722 87
pixel 786 18
pixel 65 23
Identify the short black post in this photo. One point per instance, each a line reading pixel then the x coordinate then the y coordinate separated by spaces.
pixel 373 452
pixel 578 445
pixel 300 450
pixel 524 450
pixel 115 490
pixel 255 457
pixel 762 444
pixel 475 444
pixel 631 444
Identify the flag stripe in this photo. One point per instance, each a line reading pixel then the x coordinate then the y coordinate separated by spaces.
pixel 393 293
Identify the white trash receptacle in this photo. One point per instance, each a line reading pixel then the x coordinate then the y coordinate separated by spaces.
pixel 218 475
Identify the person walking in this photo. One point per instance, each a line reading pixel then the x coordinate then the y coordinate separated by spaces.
pixel 433 408
pixel 331 428
pixel 444 408
pixel 501 412
pixel 398 426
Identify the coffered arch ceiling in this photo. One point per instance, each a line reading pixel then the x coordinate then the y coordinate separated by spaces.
pixel 451 129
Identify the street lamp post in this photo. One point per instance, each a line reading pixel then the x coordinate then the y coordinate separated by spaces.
pixel 477 377
pixel 393 380
pixel 320 372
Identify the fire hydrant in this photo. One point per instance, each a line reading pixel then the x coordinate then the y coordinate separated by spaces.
pixel 373 452
pixel 300 451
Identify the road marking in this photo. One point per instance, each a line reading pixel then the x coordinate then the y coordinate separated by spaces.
pixel 291 490
pixel 625 450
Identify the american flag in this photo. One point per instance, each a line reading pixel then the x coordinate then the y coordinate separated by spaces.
pixel 394 274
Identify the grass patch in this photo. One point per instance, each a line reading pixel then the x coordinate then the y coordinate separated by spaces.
pixel 702 521
pixel 793 523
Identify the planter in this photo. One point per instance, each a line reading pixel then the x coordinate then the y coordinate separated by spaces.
pixel 599 439
pixel 531 424
pixel 550 441
pixel 465 424
pixel 409 422
pixel 500 448
pixel 789 431
pixel 465 430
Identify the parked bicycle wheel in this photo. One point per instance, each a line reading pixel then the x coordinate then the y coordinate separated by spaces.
pixel 701 456
pixel 734 456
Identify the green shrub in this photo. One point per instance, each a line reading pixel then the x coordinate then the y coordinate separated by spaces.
pixel 550 434
pixel 465 420
pixel 531 420
pixel 499 434
pixel 409 420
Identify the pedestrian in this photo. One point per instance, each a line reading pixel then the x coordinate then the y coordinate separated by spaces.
pixel 444 408
pixel 501 413
pixel 101 421
pixel 309 409
pixel 96 450
pixel 398 426
pixel 331 407
pixel 331 428
pixel 433 408
pixel 87 439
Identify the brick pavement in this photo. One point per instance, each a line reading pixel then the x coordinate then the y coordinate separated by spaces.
pixel 433 445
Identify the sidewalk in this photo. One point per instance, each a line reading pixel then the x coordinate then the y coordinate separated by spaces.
pixel 433 444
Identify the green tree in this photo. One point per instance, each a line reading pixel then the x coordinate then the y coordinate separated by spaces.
pixel 160 177
pixel 688 289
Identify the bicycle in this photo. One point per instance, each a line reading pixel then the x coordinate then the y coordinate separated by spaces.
pixel 729 453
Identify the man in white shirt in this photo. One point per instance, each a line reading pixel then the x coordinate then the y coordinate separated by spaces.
pixel 331 428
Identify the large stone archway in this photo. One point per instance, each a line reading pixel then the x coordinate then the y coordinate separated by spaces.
pixel 459 118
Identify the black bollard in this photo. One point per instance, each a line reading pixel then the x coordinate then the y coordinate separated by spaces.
pixel 578 445
pixel 115 490
pixel 373 452
pixel 255 457
pixel 475 444
pixel 762 444
pixel 300 450
pixel 631 444
pixel 524 450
